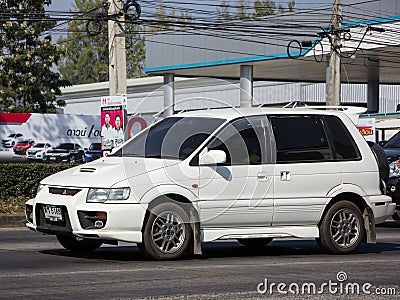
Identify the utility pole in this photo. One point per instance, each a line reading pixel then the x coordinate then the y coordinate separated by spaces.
pixel 333 80
pixel 116 48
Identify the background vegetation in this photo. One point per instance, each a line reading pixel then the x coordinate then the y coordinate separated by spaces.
pixel 27 55
pixel 20 181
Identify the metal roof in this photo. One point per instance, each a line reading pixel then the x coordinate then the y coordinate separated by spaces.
pixel 199 54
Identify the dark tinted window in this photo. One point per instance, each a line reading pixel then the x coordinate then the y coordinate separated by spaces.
pixel 171 138
pixel 344 146
pixel 393 142
pixel 244 142
pixel 66 146
pixel 95 147
pixel 300 139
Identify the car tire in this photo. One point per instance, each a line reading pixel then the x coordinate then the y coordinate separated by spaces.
pixel 255 243
pixel 383 164
pixel 77 244
pixel 342 228
pixel 167 233
pixel 72 159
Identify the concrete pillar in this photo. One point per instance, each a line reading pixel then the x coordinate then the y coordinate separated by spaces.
pixel 373 86
pixel 246 86
pixel 333 87
pixel 116 49
pixel 169 94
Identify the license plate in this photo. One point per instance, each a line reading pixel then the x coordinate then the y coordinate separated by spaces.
pixel 52 158
pixel 53 213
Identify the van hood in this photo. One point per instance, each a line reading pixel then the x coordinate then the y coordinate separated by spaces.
pixel 106 172
pixel 392 154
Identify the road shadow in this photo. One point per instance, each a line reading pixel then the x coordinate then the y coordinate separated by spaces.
pixel 389 224
pixel 278 248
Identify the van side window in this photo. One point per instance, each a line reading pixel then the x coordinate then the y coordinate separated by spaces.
pixel 344 146
pixel 243 141
pixel 300 139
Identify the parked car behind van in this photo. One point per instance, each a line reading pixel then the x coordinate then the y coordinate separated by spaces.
pixel 93 152
pixel 65 152
pixel 12 139
pixel 22 146
pixel 392 151
pixel 38 151
pixel 253 175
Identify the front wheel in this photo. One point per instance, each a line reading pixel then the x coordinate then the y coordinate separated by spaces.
pixel 167 233
pixel 77 244
pixel 342 228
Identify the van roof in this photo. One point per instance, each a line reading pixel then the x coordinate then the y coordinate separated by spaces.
pixel 233 113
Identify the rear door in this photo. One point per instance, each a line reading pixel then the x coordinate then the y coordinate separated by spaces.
pixel 305 169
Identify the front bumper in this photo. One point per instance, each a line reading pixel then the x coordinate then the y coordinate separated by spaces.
pixel 8 144
pixel 57 158
pixel 123 222
pixel 20 152
pixel 393 189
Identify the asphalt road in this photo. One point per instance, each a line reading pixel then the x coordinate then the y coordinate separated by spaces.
pixel 34 266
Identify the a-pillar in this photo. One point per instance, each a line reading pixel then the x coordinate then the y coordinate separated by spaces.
pixel 169 94
pixel 246 86
pixel 373 86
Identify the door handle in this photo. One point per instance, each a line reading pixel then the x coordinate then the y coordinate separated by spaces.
pixel 285 176
pixel 262 176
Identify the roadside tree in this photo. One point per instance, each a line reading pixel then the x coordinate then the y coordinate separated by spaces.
pixel 28 81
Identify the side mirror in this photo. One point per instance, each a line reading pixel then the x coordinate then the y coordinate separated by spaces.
pixel 113 150
pixel 382 143
pixel 212 157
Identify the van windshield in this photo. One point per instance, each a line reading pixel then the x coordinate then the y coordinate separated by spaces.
pixel 171 138
pixel 394 142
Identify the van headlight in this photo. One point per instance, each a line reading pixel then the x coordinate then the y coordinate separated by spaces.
pixel 39 188
pixel 102 195
pixel 394 169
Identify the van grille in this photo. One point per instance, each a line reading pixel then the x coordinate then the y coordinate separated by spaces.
pixel 63 191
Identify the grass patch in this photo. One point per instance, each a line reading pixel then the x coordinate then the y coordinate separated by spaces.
pixel 13 205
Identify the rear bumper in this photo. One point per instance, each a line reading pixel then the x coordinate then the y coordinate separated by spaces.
pixel 382 207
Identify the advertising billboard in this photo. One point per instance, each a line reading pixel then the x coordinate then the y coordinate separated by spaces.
pixel 20 134
pixel 367 128
pixel 112 118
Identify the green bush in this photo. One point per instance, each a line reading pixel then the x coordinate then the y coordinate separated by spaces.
pixel 21 180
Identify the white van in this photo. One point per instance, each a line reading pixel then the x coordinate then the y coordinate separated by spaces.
pixel 248 174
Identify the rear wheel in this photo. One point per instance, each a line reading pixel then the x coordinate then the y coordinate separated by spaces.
pixel 77 244
pixel 167 233
pixel 255 242
pixel 342 228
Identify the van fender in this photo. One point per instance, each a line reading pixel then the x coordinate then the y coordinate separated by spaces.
pixel 368 214
pixel 165 189
pixel 161 190
pixel 345 188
